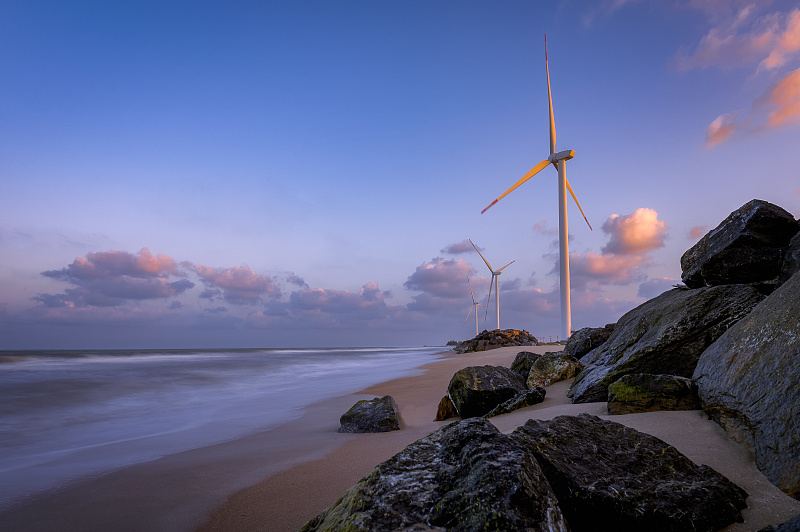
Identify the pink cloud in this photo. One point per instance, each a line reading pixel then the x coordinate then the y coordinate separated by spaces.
pixel 605 269
pixel 238 285
pixel 635 233
pixel 111 278
pixel 785 98
pixel 697 232
pixel 720 129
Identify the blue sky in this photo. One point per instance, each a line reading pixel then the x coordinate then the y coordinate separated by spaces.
pixel 307 173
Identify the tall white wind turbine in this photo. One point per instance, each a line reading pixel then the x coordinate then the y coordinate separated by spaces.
pixel 495 281
pixel 559 161
pixel 474 307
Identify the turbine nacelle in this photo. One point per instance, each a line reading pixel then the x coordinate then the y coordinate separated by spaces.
pixel 564 155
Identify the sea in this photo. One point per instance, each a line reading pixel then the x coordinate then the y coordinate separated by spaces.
pixel 70 415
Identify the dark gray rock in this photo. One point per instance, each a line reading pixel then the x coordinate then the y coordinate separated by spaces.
pixel 792 525
pixel 758 226
pixel 465 476
pixel 791 261
pixel 647 393
pixel 476 390
pixel 523 362
pixel 445 410
pixel 552 367
pixel 664 336
pixel 584 340
pixel 609 477
pixel 374 415
pixel 749 382
pixel 496 338
pixel 531 397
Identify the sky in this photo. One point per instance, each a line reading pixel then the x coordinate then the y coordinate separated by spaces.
pixel 308 174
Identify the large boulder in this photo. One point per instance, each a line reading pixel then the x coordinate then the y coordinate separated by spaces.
pixel 664 336
pixel 791 261
pixel 531 397
pixel 748 381
pixel 746 248
pixel 523 362
pixel 445 410
pixel 374 415
pixel 476 390
pixel 584 340
pixel 643 392
pixel 609 477
pixel 496 338
pixel 465 476
pixel 792 525
pixel 552 367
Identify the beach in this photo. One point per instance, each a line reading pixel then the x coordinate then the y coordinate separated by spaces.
pixel 279 478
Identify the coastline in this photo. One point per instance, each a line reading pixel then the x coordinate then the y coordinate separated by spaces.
pixel 288 499
pixel 280 478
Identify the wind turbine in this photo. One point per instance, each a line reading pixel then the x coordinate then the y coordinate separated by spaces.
pixel 474 307
pixel 495 281
pixel 559 161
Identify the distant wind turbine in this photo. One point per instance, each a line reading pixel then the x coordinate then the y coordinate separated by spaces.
pixel 559 161
pixel 495 281
pixel 474 307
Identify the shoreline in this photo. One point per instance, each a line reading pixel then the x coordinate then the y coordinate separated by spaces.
pixel 280 478
pixel 287 500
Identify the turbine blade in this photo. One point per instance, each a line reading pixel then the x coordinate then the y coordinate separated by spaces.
pixel 470 312
pixel 484 258
pixel 470 291
pixel 506 266
pixel 579 205
pixel 550 102
pixel 535 170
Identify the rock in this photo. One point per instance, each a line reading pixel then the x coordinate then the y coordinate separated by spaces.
pixel 664 336
pixel 446 409
pixel 791 261
pixel 746 248
pixel 374 415
pixel 647 393
pixel 465 476
pixel 552 367
pixel 476 390
pixel 611 477
pixel 497 338
pixel 523 362
pixel 792 525
pixel 748 382
pixel 531 397
pixel 584 340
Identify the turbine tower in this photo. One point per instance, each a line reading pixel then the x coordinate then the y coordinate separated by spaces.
pixel 495 281
pixel 474 307
pixel 559 161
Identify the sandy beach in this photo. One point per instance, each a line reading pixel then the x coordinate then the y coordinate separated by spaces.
pixel 279 479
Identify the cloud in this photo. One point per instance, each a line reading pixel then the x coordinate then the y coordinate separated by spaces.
pixel 656 286
pixel 368 303
pixel 442 278
pixel 697 232
pixel 112 278
pixel 458 248
pixel 296 280
pixel 784 97
pixel 238 285
pixel 721 128
pixel 542 228
pixel 605 269
pixel 635 233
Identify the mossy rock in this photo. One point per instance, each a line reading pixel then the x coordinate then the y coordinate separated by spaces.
pixel 643 392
